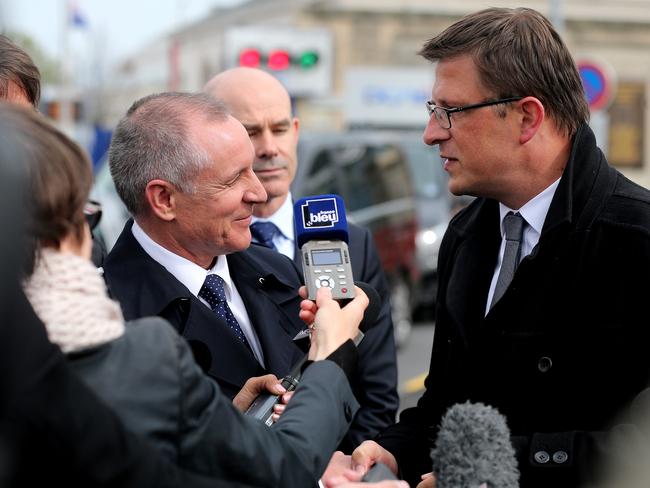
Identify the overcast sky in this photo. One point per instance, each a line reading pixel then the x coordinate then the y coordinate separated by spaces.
pixel 118 26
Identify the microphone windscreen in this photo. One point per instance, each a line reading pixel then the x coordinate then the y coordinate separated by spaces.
pixel 374 306
pixel 473 448
pixel 320 217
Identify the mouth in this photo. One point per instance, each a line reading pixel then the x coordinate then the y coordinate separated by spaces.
pixel 448 161
pixel 271 171
pixel 245 220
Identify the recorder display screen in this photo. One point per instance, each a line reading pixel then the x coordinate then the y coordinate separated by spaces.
pixel 325 257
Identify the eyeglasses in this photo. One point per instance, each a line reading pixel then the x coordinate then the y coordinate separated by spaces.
pixel 92 213
pixel 443 115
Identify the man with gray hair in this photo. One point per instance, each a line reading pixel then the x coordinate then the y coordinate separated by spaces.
pixel 183 167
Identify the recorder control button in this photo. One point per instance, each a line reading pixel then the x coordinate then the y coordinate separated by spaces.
pixel 325 281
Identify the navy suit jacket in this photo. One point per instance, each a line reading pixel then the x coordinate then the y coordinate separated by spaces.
pixel 267 282
pixel 375 385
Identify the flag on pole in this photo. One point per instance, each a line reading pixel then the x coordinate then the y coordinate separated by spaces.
pixel 76 17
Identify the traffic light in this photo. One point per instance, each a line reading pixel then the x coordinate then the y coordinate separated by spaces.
pixel 308 59
pixel 249 58
pixel 278 59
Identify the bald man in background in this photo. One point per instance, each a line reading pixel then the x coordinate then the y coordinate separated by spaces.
pixel 262 105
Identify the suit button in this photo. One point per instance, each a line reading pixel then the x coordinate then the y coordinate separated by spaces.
pixel 544 364
pixel 560 457
pixel 542 457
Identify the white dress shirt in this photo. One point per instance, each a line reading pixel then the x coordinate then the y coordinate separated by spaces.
pixel 192 276
pixel 283 220
pixel 534 213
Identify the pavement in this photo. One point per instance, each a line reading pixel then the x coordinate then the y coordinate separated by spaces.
pixel 413 364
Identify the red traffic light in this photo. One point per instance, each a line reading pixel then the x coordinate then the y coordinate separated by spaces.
pixel 279 60
pixel 249 58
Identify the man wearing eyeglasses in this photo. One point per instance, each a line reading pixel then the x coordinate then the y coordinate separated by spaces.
pixel 544 278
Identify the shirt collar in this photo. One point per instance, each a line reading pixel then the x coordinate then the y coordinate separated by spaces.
pixel 282 218
pixel 534 211
pixel 190 274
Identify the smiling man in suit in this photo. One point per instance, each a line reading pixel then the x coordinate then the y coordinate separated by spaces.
pixel 262 105
pixel 184 169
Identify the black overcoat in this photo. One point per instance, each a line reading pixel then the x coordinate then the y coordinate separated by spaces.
pixel 566 348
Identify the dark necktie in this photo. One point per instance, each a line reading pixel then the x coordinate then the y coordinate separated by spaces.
pixel 213 292
pixel 264 232
pixel 513 225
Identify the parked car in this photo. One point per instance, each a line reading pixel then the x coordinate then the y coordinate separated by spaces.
pixel 393 184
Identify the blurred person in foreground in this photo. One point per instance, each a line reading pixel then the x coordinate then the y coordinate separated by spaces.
pixel 542 305
pixel 20 83
pixel 184 168
pixel 144 370
pixel 262 105
pixel 53 429
pixel 20 79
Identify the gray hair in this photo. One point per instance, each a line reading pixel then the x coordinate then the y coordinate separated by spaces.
pixel 152 142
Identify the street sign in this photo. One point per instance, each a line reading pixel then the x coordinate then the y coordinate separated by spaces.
pixel 598 80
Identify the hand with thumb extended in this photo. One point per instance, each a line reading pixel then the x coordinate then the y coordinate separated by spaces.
pixel 333 325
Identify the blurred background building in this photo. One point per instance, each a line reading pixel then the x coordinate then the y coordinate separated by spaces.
pixel 352 64
pixel 348 64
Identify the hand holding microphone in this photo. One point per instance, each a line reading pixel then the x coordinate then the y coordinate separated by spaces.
pixel 332 324
pixel 322 234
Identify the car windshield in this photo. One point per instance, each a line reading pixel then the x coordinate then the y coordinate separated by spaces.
pixel 429 179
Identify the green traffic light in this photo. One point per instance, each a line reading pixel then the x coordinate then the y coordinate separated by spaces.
pixel 308 59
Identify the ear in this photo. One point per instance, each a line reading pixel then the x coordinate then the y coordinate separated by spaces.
pixel 161 197
pixel 295 123
pixel 532 116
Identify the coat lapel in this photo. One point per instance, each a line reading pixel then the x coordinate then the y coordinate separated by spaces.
pixel 469 282
pixel 144 288
pixel 272 302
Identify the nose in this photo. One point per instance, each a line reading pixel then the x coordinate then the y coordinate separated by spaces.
pixel 266 147
pixel 434 134
pixel 255 193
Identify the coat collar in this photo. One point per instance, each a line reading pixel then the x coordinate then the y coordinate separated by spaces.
pixel 586 169
pixel 574 205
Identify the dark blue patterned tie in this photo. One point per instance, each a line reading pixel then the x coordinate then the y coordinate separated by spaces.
pixel 264 232
pixel 213 292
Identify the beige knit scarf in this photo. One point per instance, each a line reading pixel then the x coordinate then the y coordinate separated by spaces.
pixel 69 296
